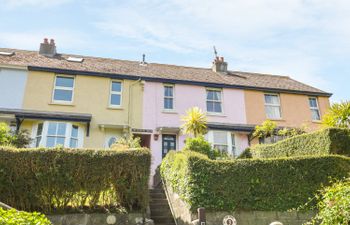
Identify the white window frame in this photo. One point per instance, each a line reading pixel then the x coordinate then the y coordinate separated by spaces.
pixel 169 97
pixel 111 92
pixel 63 88
pixel 67 136
pixel 232 141
pixel 315 108
pixel 220 101
pixel 273 105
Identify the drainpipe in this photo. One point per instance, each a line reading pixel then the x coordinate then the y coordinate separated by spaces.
pixel 130 101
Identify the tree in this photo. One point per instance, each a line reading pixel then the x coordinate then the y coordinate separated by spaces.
pixel 195 122
pixel 20 139
pixel 338 115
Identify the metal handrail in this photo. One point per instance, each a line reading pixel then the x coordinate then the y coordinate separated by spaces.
pixel 4 206
pixel 167 196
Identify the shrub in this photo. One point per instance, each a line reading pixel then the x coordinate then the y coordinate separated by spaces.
pixel 266 129
pixel 20 139
pixel 323 142
pixel 338 115
pixel 14 217
pixel 125 143
pixel 249 184
pixel 64 180
pixel 334 204
pixel 246 154
pixel 200 145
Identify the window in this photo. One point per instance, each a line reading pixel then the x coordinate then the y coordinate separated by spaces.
pixel 220 141
pixel 116 94
pixel 39 133
pixel 51 134
pixel 56 134
pixel 111 141
pixel 272 106
pixel 63 91
pixel 74 137
pixel 214 101
pixel 168 97
pixel 233 144
pixel 315 111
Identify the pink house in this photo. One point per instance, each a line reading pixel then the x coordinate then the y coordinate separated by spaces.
pixel 165 103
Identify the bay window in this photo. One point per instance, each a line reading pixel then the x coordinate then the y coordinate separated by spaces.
pixel 224 141
pixel 52 134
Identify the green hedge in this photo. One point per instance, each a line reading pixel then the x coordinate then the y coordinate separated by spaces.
pixel 14 217
pixel 70 180
pixel 249 184
pixel 323 142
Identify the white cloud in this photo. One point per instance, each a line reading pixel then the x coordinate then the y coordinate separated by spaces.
pixel 13 4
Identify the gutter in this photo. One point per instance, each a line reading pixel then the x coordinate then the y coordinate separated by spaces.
pixel 173 81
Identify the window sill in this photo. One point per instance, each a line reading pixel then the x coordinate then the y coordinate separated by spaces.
pixel 115 108
pixel 280 119
pixel 62 103
pixel 317 121
pixel 169 111
pixel 216 114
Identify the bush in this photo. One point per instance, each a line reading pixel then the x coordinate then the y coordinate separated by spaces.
pixel 249 184
pixel 246 154
pixel 18 139
pixel 334 204
pixel 200 145
pixel 70 180
pixel 14 217
pixel 323 142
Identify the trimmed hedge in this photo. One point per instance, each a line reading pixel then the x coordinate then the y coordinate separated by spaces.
pixel 14 217
pixel 249 184
pixel 70 180
pixel 323 142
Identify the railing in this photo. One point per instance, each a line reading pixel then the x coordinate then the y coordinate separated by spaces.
pixel 4 206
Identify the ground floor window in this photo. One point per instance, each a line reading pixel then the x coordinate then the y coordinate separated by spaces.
pixel 168 143
pixel 52 134
pixel 224 141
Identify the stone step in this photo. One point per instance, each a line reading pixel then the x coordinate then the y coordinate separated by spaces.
pixel 157 196
pixel 156 191
pixel 157 203
pixel 162 219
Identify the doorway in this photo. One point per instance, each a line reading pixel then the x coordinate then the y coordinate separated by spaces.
pixel 168 143
pixel 145 140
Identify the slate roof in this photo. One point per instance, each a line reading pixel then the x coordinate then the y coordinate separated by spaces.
pixel 157 72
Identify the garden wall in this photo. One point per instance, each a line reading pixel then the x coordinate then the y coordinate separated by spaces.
pixel 323 142
pixel 74 180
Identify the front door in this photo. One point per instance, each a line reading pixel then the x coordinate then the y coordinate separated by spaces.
pixel 169 143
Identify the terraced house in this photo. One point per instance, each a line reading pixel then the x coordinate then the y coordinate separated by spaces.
pixel 81 101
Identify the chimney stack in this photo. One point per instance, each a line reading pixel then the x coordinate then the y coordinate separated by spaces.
pixel 219 65
pixel 48 49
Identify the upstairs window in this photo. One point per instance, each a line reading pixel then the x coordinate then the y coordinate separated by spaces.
pixel 168 97
pixel 315 111
pixel 64 88
pixel 272 106
pixel 116 94
pixel 214 101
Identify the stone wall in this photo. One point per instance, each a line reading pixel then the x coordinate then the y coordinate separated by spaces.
pixel 96 219
pixel 184 216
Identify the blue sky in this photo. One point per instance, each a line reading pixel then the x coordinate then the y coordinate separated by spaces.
pixel 308 40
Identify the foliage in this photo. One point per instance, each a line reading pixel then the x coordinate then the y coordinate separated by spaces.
pixel 7 137
pixel 195 122
pixel 246 154
pixel 71 180
pixel 14 217
pixel 129 142
pixel 322 142
pixel 334 204
pixel 249 184
pixel 291 132
pixel 338 115
pixel 266 129
pixel 200 145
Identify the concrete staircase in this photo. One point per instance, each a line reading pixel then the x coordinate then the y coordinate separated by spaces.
pixel 159 206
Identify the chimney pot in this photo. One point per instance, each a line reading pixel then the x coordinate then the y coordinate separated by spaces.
pixel 48 49
pixel 222 59
pixel 219 65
